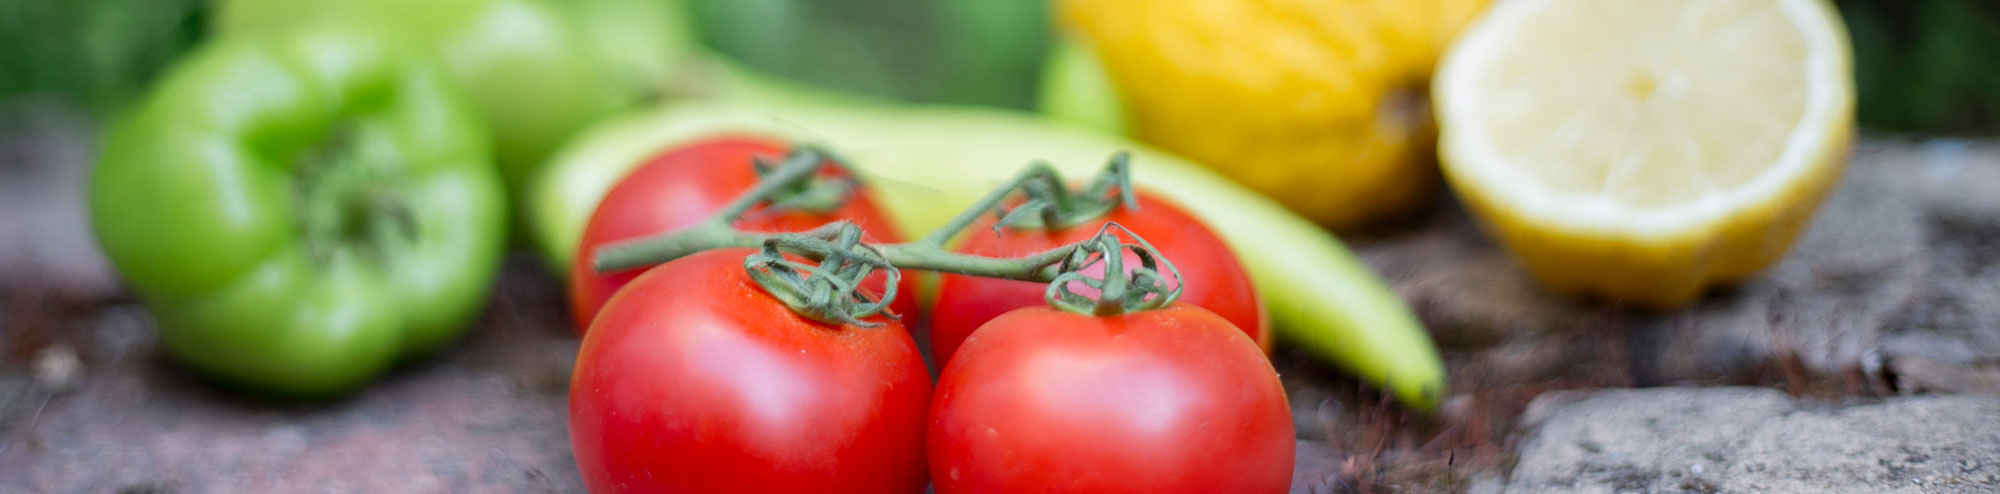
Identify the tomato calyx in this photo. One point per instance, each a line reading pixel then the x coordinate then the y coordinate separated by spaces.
pixel 831 291
pixel 1052 205
pixel 1145 287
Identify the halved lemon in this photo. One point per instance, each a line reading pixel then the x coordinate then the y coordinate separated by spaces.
pixel 1642 150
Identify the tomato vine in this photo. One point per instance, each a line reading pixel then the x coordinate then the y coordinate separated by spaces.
pixel 828 291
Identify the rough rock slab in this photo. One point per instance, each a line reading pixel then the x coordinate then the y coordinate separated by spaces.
pixel 45 238
pixel 1731 439
pixel 1891 287
pixel 99 410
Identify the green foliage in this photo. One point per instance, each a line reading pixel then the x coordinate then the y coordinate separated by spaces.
pixel 1927 65
pixel 985 52
pixel 94 53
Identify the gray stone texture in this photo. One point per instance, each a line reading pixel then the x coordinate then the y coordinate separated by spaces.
pixel 1738 439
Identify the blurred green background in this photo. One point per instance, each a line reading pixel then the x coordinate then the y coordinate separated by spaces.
pixel 1925 66
pixel 956 51
pixel 93 53
pixel 98 53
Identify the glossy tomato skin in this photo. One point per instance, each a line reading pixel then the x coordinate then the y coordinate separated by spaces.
pixel 683 186
pixel 1174 400
pixel 1214 279
pixel 696 380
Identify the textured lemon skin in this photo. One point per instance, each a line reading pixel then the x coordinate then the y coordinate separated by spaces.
pixel 1318 104
pixel 1662 272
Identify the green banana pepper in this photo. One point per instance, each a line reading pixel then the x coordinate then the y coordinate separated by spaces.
pixel 301 211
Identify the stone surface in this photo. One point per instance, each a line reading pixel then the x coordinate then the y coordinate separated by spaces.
pixel 1899 268
pixel 1729 439
pixel 45 239
pixel 112 415
pixel 99 410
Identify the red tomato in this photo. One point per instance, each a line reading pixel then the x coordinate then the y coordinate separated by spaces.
pixel 695 380
pixel 1214 279
pixel 680 188
pixel 1160 401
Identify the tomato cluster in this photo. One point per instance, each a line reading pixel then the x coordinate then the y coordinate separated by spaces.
pixel 693 378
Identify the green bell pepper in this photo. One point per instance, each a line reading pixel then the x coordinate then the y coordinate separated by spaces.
pixel 301 211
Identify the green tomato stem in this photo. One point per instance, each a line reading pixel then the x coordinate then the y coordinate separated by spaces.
pixel 829 294
pixel 924 254
pixel 1051 205
pixel 927 253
